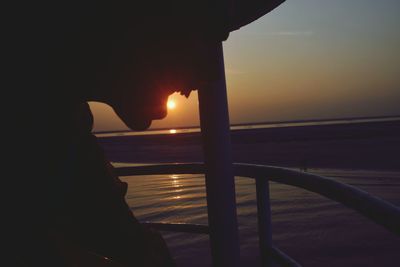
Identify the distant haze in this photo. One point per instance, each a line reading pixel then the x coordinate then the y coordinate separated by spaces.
pixel 308 59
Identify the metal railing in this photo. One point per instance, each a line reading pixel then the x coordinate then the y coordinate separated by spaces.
pixel 376 209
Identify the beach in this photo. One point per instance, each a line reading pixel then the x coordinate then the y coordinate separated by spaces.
pixel 313 230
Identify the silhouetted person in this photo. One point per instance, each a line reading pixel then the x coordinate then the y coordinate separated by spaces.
pixel 70 204
pixel 66 204
pixel 107 52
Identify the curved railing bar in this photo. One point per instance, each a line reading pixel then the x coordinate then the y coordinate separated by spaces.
pixel 378 210
pixel 179 227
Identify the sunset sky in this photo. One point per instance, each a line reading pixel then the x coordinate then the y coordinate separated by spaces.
pixel 308 59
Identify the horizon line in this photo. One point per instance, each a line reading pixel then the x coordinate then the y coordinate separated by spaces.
pixel 258 123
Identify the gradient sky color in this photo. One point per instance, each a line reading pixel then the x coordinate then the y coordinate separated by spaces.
pixel 308 59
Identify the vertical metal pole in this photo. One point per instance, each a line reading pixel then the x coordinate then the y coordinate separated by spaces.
pixel 264 220
pixel 220 184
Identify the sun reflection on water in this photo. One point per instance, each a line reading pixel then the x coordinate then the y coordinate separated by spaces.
pixel 176 185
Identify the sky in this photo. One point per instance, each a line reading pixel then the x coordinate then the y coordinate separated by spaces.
pixel 307 59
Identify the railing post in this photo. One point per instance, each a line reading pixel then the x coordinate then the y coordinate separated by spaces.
pixel 220 185
pixel 264 220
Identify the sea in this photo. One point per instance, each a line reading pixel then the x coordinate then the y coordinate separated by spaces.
pixel 311 229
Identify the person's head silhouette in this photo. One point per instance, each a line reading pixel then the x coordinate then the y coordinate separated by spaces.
pixel 132 57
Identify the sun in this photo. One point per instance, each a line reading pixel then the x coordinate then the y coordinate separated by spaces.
pixel 171 104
